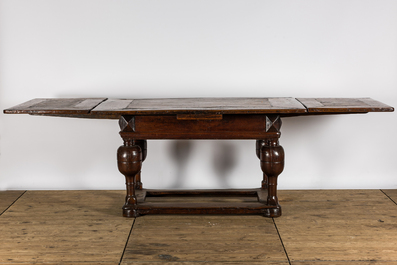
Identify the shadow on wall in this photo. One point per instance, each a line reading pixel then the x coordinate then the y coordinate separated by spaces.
pixel 224 160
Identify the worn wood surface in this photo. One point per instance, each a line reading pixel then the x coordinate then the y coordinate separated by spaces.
pixel 199 106
pixel 64 226
pixel 326 227
pixel 343 105
pixel 113 108
pixel 229 127
pixel 42 106
pixel 7 198
pixel 204 239
pixel 343 225
pixel 203 262
pixel 392 194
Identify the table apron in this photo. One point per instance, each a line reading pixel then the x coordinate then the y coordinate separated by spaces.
pixel 228 127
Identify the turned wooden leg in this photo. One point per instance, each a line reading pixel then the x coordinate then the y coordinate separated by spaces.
pixel 129 160
pixel 143 145
pixel 272 164
pixel 259 144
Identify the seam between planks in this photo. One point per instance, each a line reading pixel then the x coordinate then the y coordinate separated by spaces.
pixel 307 109
pixel 282 243
pixel 388 197
pixel 13 203
pixel 89 112
pixel 126 243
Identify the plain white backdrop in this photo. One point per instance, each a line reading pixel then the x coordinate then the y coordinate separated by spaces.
pixel 198 48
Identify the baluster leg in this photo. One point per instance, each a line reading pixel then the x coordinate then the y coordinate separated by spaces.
pixel 272 164
pixel 129 160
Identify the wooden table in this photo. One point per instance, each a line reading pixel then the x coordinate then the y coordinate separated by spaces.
pixel 199 118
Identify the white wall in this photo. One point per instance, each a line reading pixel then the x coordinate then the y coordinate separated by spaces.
pixel 198 48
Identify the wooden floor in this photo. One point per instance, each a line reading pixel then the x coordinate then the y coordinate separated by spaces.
pixel 85 227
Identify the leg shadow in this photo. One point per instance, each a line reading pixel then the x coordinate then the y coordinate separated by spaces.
pixel 224 161
pixel 180 151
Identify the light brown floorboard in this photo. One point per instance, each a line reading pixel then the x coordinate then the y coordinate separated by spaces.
pixel 392 194
pixel 62 263
pixel 204 262
pixel 338 226
pixel 204 238
pixel 7 198
pixel 344 263
pixel 64 227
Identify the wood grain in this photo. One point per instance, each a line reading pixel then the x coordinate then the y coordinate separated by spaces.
pixel 346 262
pixel 168 106
pixel 56 106
pixel 322 227
pixel 212 263
pixel 338 226
pixel 170 127
pixel 102 108
pixel 204 239
pixel 343 105
pixel 7 198
pixel 392 194
pixel 64 226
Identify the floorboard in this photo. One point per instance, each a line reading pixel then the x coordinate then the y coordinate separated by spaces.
pixel 338 226
pixel 64 227
pixel 322 227
pixel 204 239
pixel 392 194
pixel 7 198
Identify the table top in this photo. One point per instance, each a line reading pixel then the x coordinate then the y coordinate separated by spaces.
pixel 105 108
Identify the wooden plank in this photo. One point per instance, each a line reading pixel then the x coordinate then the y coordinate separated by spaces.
pixel 234 201
pixel 56 106
pixel 114 108
pixel 212 263
pixel 163 106
pixel 344 105
pixel 392 194
pixel 111 105
pixel 63 263
pixel 338 226
pixel 288 196
pixel 7 198
pixel 23 106
pixel 344 262
pixel 230 127
pixel 65 226
pixel 195 117
pixel 204 239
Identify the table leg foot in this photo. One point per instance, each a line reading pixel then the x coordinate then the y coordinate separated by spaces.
pixel 272 212
pixel 127 212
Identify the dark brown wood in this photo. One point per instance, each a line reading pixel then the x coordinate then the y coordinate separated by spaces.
pixel 272 164
pixel 199 106
pixel 129 159
pixel 169 127
pixel 103 108
pixel 199 118
pixel 259 206
pixel 56 106
pixel 135 128
pixel 343 105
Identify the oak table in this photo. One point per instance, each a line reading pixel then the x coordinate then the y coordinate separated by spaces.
pixel 198 118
